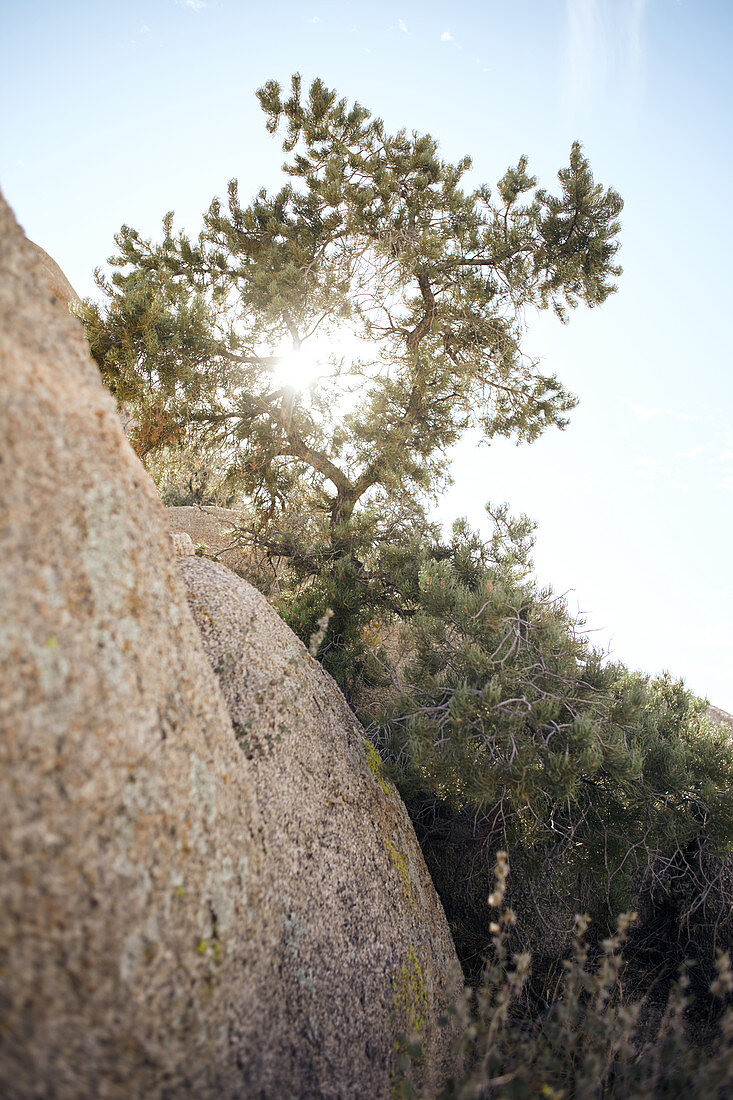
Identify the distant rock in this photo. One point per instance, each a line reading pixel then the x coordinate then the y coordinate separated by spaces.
pixel 53 276
pixel 182 545
pixel 211 529
pixel 720 717
pixel 214 533
pixel 366 950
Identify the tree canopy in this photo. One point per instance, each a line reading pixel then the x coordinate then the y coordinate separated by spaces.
pixel 373 235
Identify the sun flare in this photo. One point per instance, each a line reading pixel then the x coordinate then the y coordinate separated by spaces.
pixel 298 369
pixel 337 363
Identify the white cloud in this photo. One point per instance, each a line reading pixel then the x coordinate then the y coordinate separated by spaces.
pixel 642 412
pixel 604 49
pixel 634 37
pixel 692 453
pixel 315 19
pixel 195 5
pixel 649 471
pixel 446 36
pixel 585 44
pixel 648 462
pixel 403 26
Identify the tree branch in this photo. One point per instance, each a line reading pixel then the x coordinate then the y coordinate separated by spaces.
pixel 424 325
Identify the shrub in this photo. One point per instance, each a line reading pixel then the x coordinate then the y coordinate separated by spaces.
pixel 592 1042
pixel 506 729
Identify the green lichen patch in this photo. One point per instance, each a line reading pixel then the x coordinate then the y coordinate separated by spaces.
pixel 375 767
pixel 410 998
pixel 400 862
pixel 409 1017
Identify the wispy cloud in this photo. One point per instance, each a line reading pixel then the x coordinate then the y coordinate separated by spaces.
pixel 651 472
pixel 635 34
pixel 684 451
pixel 644 412
pixel 604 49
pixel 446 36
pixel 403 26
pixel 195 5
pixel 648 462
pixel 693 452
pixel 315 19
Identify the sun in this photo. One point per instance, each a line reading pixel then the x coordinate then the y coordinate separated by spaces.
pixel 297 370
pixel 337 362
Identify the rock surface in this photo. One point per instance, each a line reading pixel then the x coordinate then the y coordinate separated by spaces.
pixel 54 277
pixel 211 528
pixel 62 290
pixel 366 950
pixel 134 898
pixel 186 910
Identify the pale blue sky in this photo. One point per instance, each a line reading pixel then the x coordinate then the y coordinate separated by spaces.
pixel 119 110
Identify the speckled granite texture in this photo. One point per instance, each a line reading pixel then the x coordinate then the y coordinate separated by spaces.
pixel 188 907
pixel 365 948
pixel 137 926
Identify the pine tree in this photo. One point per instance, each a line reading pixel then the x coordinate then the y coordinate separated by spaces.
pixel 373 234
pixel 505 726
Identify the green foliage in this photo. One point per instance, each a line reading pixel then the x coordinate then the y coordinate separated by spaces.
pixel 592 1042
pixel 505 729
pixel 366 571
pixel 154 345
pixel 193 482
